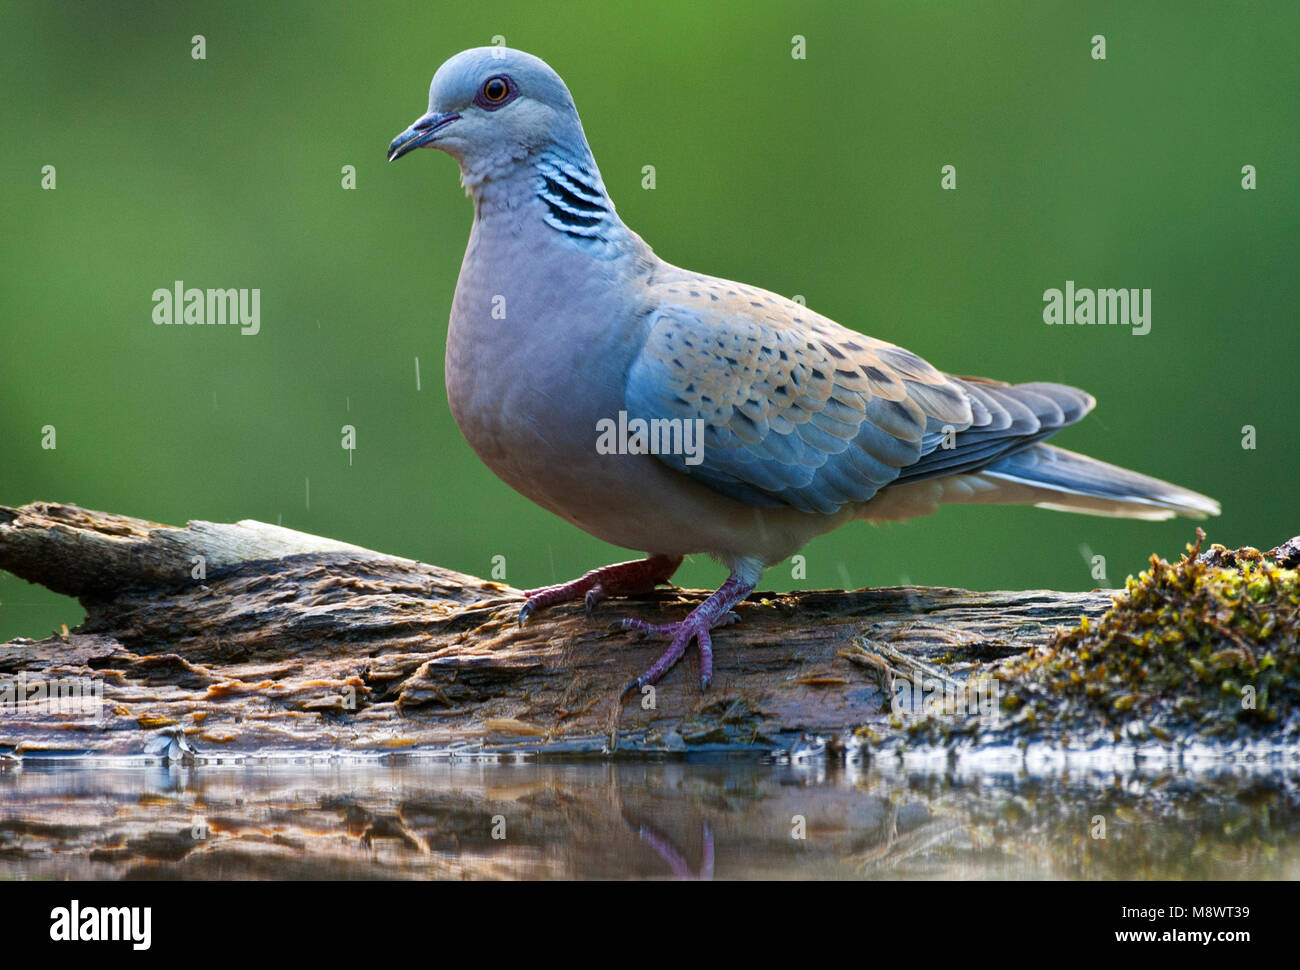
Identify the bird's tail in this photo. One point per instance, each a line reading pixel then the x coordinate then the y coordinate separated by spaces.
pixel 1053 478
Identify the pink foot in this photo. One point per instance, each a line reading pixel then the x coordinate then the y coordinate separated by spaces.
pixel 712 613
pixel 676 861
pixel 621 579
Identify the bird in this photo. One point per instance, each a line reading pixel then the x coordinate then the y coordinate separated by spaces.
pixel 749 423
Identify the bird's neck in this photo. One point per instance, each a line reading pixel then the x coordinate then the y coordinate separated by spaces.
pixel 557 193
pixel 573 197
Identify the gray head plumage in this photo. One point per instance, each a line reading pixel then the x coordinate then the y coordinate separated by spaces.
pixel 492 107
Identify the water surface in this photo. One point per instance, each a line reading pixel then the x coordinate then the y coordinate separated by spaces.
pixel 723 818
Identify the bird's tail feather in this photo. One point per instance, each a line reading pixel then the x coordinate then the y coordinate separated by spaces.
pixel 1054 478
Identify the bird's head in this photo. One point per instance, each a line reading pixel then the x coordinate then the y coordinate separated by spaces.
pixel 489 108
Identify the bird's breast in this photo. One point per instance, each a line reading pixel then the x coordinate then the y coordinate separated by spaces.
pixel 538 350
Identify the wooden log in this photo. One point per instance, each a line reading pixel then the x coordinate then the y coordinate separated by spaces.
pixel 248 637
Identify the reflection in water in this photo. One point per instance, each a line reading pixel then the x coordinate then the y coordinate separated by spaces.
pixel 659 842
pixel 696 819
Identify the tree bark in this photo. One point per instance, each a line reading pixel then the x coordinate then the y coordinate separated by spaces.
pixel 248 637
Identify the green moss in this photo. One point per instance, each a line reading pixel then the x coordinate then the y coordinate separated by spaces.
pixel 1207 645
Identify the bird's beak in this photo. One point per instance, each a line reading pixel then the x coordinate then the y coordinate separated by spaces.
pixel 420 134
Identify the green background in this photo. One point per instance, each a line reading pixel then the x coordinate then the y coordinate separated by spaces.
pixel 817 177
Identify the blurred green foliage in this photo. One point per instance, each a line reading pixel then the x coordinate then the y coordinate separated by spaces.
pixel 818 177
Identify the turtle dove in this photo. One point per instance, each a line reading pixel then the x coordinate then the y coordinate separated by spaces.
pixel 804 425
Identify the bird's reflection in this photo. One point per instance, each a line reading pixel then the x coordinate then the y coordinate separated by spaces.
pixel 662 845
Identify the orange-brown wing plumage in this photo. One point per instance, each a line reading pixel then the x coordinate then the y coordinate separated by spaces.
pixel 799 411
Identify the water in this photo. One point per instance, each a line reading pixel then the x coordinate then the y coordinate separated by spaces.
pixel 724 818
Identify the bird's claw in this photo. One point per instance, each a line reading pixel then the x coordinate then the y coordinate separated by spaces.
pixel 668 629
pixel 693 628
pixel 620 579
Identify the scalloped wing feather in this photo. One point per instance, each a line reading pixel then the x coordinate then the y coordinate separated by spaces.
pixel 799 411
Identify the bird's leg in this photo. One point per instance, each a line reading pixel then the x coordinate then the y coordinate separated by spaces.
pixel 676 861
pixel 620 579
pixel 713 612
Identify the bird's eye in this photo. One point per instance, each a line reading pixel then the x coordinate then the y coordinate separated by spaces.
pixel 495 90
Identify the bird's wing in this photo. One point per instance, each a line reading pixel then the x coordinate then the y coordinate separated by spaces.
pixel 798 411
